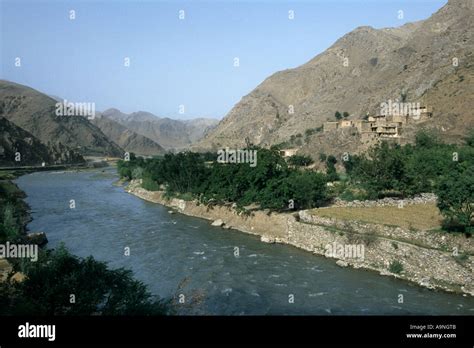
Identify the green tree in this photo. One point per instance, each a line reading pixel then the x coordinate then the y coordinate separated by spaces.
pixel 331 171
pixel 470 138
pixel 381 171
pixel 338 115
pixel 304 189
pixel 300 160
pixel 137 173
pixel 9 225
pixel 308 189
pixel 426 139
pixel 455 191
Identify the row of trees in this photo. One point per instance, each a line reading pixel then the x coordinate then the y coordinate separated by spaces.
pixel 339 116
pixel 271 183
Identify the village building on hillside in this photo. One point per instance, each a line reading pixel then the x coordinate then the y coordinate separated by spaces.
pixel 288 152
pixel 388 126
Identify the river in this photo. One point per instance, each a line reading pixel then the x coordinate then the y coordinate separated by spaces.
pixel 219 272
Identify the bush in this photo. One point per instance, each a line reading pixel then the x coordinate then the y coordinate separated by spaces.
pixel 350 195
pixel 300 160
pixel 305 189
pixel 149 184
pixel 331 168
pixel 9 226
pixel 395 267
pixel 455 193
pixel 137 173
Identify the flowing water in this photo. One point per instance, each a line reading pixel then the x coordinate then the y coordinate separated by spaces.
pixel 176 254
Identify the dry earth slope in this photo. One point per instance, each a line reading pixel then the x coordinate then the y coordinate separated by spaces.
pixel 35 112
pixel 127 139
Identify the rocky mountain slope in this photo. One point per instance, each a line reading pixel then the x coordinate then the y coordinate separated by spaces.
pixel 169 133
pixel 35 112
pixel 430 62
pixel 16 141
pixel 127 139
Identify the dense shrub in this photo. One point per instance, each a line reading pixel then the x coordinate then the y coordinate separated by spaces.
pixel 300 160
pixel 97 290
pixel 271 183
pixel 426 166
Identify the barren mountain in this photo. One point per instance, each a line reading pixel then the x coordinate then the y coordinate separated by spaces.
pixel 20 148
pixel 35 112
pixel 169 133
pixel 430 62
pixel 127 139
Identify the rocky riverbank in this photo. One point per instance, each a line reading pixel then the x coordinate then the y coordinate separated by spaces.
pixel 12 200
pixel 432 261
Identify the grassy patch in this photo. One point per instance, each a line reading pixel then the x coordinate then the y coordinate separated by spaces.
pixel 185 196
pixel 420 216
pixel 7 175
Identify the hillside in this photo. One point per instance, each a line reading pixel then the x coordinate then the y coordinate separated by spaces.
pixel 169 133
pixel 35 112
pixel 127 139
pixel 415 60
pixel 14 140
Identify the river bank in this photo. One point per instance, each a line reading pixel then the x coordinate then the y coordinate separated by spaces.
pixel 442 262
pixel 15 218
pixel 19 212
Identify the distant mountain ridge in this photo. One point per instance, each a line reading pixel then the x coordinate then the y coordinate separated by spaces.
pixel 169 133
pixel 127 139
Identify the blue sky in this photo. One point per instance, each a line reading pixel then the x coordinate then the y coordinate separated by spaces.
pixel 176 62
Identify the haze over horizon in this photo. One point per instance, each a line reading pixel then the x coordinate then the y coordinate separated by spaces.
pixel 175 61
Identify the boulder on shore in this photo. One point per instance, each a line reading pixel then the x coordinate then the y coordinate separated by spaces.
pixel 267 239
pixel 218 223
pixel 18 277
pixel 342 263
pixel 38 238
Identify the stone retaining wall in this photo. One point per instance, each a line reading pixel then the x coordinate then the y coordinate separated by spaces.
pixel 423 198
pixel 429 239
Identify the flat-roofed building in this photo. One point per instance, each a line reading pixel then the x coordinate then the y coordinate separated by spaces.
pixel 288 152
pixel 331 125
